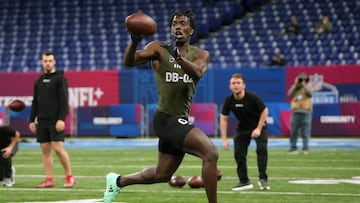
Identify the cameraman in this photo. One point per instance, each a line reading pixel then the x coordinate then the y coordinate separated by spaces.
pixel 301 113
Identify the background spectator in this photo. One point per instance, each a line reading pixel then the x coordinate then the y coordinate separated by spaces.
pixel 294 27
pixel 278 60
pixel 301 113
pixel 324 26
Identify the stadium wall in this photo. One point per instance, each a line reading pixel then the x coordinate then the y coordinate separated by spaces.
pixel 336 99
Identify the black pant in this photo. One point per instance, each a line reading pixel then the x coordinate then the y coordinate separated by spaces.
pixel 6 164
pixel 241 144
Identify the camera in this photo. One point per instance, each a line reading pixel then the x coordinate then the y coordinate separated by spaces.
pixel 300 80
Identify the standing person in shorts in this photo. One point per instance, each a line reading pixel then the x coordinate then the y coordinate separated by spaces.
pixel 49 108
pixel 251 113
pixel 178 67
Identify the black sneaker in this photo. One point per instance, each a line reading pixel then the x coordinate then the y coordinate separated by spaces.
pixel 243 186
pixel 263 184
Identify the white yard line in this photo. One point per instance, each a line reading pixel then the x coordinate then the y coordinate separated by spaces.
pixel 72 201
pixel 189 191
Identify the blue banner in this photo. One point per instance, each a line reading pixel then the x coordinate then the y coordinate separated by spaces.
pixel 138 85
pixel 125 120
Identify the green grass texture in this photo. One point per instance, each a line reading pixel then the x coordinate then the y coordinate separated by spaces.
pixel 334 175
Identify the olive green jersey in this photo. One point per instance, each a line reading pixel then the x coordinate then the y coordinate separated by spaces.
pixel 175 87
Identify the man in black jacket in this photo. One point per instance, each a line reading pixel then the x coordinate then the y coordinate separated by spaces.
pixel 50 107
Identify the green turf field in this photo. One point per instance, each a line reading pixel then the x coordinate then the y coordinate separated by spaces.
pixel 341 167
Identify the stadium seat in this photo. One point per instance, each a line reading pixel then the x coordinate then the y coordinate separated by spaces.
pixel 82 26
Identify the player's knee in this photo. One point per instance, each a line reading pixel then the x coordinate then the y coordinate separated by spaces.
pixel 212 155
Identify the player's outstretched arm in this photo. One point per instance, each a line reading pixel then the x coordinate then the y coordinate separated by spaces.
pixel 133 57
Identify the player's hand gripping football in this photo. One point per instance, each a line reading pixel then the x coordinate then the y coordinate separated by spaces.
pixel 135 38
pixel 172 49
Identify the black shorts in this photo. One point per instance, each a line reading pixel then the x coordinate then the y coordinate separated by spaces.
pixel 171 132
pixel 46 132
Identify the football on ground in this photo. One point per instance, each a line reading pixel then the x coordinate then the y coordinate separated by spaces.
pixel 177 181
pixel 195 182
pixel 141 24
pixel 17 105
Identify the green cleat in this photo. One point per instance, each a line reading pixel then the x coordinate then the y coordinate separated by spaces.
pixel 111 187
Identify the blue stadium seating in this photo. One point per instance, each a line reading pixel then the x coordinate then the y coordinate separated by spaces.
pixel 90 34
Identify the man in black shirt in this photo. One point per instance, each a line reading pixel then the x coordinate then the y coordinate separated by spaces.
pixel 251 113
pixel 294 27
pixel 278 60
pixel 50 107
pixel 9 139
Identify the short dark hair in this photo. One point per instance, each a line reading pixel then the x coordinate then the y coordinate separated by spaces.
pixel 239 76
pixel 48 53
pixel 185 12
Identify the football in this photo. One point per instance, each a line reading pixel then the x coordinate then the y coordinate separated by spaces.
pixel 17 105
pixel 195 182
pixel 177 181
pixel 141 24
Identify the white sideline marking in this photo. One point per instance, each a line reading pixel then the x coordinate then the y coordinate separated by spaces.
pixel 55 176
pixel 354 180
pixel 74 201
pixel 83 200
pixel 195 191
